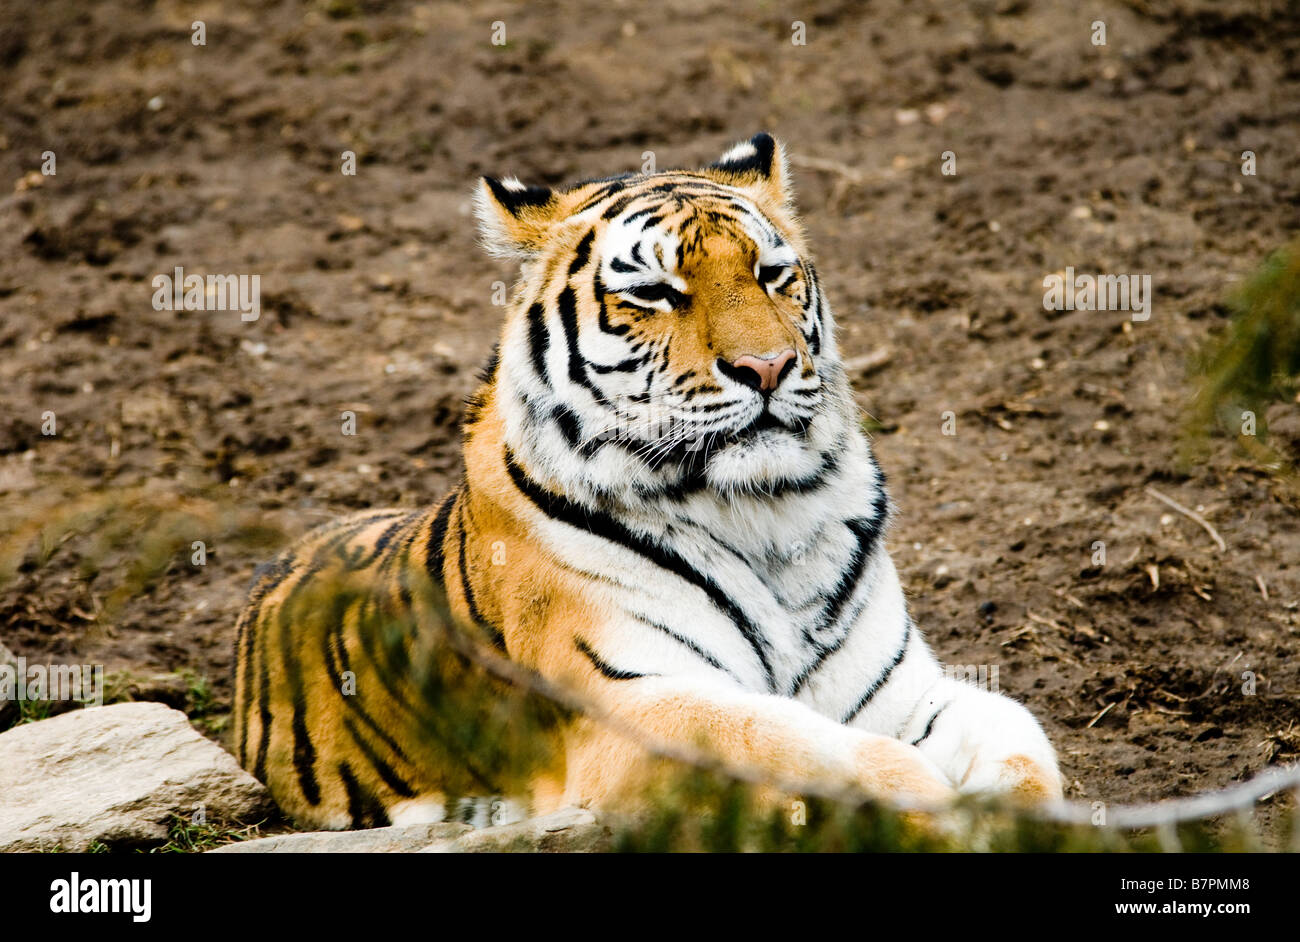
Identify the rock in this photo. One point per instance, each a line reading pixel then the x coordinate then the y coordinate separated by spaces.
pixel 569 831
pixel 117 775
pixel 573 830
pixel 390 840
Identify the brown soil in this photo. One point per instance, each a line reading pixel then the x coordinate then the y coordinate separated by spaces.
pixel 1121 158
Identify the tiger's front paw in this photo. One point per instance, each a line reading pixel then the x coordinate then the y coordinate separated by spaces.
pixel 1017 777
pixel 987 744
pixel 895 771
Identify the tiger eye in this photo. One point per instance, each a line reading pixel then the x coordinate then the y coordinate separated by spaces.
pixel 658 292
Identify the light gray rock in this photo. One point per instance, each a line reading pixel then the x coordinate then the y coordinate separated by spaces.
pixel 572 830
pixel 569 831
pixel 115 774
pixel 390 840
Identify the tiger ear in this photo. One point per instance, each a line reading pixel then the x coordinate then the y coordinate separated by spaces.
pixel 758 165
pixel 513 218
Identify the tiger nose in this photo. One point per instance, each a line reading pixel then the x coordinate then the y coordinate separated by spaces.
pixel 761 373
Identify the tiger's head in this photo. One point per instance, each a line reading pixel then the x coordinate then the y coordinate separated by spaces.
pixel 668 333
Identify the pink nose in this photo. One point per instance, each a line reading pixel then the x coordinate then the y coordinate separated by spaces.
pixel 762 373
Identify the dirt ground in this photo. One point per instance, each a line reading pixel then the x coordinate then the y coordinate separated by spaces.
pixel 1117 158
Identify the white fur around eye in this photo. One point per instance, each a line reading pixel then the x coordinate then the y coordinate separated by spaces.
pixel 652 244
pixel 774 284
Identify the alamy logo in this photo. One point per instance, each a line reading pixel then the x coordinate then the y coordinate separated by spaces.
pixel 984 676
pixel 182 292
pixel 1073 292
pixel 52 682
pixel 75 895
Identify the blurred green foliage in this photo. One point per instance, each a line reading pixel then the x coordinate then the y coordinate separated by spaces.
pixel 132 535
pixel 1256 361
pixel 482 714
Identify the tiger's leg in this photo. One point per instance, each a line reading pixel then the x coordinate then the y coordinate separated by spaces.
pixel 775 737
pixel 984 742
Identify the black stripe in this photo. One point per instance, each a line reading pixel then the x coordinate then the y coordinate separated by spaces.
pixel 582 253
pixel 622 366
pixel 685 642
pixel 355 561
pixel 364 809
pixel 353 700
pixel 686 183
pixel 263 707
pixel 786 486
pixel 333 526
pixel 613 673
pixel 824 650
pixel 466 589
pixel 516 199
pixel 640 214
pixel 243 651
pixel 266 577
pixel 929 727
pixel 692 478
pixel 352 525
pixel 707 407
pixel 884 677
pixel 868 532
pixel 391 662
pixel 434 559
pixel 409 522
pixel 568 306
pixel 569 424
pixel 404 573
pixel 539 341
pixel 304 753
pixel 475 616
pixel 616 207
pixel 598 288
pixel 332 644
pixel 611 187
pixel 606 527
pixel 386 772
pixel 340 535
pixel 815 292
pixel 292 667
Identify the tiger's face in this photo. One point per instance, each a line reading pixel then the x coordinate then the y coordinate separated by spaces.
pixel 669 333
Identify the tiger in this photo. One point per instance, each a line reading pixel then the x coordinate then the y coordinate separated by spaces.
pixel 669 508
